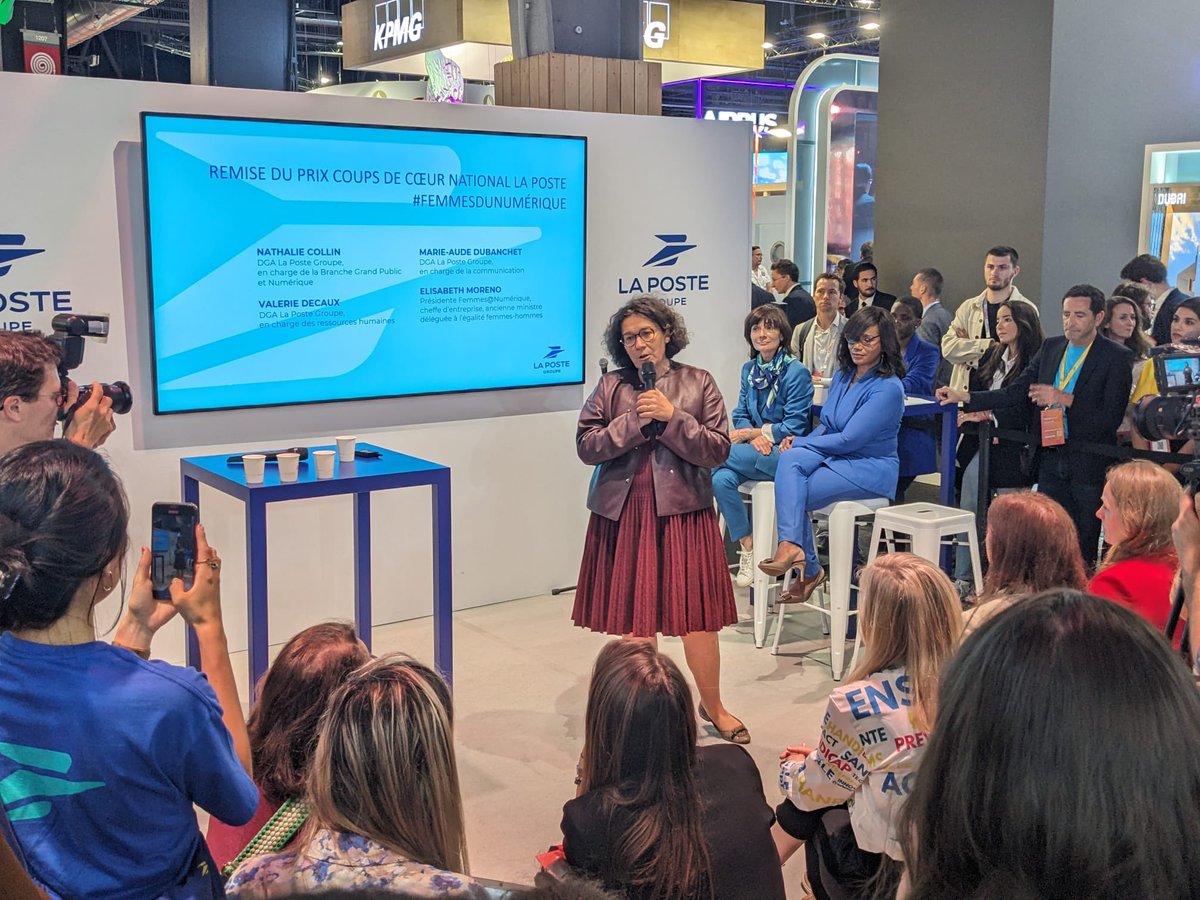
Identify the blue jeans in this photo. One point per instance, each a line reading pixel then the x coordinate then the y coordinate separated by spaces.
pixel 968 499
pixel 726 478
pixel 796 494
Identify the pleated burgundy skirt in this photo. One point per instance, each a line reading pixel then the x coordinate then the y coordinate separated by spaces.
pixel 645 574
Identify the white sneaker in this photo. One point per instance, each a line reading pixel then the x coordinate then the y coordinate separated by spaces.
pixel 745 572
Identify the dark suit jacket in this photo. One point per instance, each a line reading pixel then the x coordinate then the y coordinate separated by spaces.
pixel 799 306
pixel 880 299
pixel 1161 331
pixel 760 296
pixel 1101 395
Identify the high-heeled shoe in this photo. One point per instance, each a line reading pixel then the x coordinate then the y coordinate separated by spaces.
pixel 779 565
pixel 803 588
pixel 739 735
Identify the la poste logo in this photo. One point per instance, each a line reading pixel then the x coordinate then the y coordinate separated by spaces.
pixel 677 288
pixel 18 298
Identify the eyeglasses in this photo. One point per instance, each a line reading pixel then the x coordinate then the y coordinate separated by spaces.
pixel 59 398
pixel 646 335
pixel 861 341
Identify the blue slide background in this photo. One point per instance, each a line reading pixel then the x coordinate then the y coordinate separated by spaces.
pixel 217 346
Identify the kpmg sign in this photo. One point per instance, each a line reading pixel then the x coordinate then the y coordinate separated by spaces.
pixel 398 22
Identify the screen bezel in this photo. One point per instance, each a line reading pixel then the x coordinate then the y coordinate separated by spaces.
pixel 154 385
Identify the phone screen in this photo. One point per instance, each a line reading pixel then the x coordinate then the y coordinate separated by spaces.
pixel 172 546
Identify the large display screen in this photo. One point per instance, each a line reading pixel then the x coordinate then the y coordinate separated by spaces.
pixel 304 263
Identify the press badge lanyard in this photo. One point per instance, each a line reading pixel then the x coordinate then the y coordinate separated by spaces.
pixel 1054 420
pixel 987 324
pixel 1065 377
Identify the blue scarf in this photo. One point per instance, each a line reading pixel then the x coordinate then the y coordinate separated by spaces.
pixel 763 378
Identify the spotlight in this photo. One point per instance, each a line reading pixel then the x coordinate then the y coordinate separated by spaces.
pixel 767 45
pixel 869 26
pixel 325 79
pixel 817 36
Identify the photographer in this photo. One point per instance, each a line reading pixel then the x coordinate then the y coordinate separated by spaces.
pixel 33 395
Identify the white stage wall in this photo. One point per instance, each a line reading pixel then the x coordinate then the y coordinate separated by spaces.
pixel 72 186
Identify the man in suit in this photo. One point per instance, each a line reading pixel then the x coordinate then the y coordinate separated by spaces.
pixel 866 283
pixel 798 303
pixel 1150 273
pixel 935 319
pixel 1079 384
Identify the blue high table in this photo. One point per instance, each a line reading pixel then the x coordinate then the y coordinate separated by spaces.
pixel 360 478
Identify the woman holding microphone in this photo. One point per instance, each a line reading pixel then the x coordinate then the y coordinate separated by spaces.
pixel 653 562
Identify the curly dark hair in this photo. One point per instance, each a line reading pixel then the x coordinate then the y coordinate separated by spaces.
pixel 771 314
pixel 657 311
pixel 891 360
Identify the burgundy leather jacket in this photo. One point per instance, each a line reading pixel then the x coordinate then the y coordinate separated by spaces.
pixel 694 441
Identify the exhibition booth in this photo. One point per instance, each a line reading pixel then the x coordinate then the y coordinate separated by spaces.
pixel 279 269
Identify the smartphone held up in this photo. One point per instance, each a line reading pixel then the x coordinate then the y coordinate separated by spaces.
pixel 172 546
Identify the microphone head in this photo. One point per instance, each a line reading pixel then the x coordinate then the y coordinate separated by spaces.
pixel 648 375
pixel 603 365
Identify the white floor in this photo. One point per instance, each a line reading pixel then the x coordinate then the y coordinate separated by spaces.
pixel 520 684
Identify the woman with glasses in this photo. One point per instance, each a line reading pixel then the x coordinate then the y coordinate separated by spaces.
pixel 653 561
pixel 774 401
pixel 851 455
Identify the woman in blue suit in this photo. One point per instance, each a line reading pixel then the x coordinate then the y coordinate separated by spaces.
pixel 774 403
pixel 852 454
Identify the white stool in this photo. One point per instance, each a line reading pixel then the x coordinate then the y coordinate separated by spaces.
pixel 762 531
pixel 927 524
pixel 843 516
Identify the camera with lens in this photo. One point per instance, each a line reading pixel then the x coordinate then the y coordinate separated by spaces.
pixel 70 331
pixel 1174 414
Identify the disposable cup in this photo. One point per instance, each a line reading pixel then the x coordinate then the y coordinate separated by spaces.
pixel 345 445
pixel 324 460
pixel 253 464
pixel 289 466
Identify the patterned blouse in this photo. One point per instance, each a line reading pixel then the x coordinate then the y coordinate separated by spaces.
pixel 343 860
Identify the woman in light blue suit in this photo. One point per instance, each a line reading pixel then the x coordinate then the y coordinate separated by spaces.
pixel 774 403
pixel 852 454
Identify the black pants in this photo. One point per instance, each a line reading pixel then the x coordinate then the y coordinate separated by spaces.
pixel 837 868
pixel 1080 500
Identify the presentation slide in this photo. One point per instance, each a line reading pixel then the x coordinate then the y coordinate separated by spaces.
pixel 306 263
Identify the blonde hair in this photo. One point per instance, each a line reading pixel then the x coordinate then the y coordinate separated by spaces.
pixel 910 616
pixel 384 766
pixel 1147 498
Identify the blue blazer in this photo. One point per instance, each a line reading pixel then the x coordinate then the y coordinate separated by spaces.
pixel 793 399
pixel 918 446
pixel 857 435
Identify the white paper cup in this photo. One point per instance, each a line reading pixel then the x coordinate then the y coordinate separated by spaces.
pixel 345 445
pixel 289 466
pixel 254 464
pixel 324 460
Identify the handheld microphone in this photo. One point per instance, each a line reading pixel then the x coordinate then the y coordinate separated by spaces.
pixel 603 365
pixel 648 376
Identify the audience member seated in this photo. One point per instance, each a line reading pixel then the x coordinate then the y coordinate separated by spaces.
pixel 1144 301
pixel 774 402
pixel 916 444
pixel 283 727
pixel 1018 338
pixel 851 455
pixel 1139 504
pixel 383 794
pixel 102 752
pixel 1031 546
pixel 1123 324
pixel 911 623
pixel 1062 763
pixel 657 817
